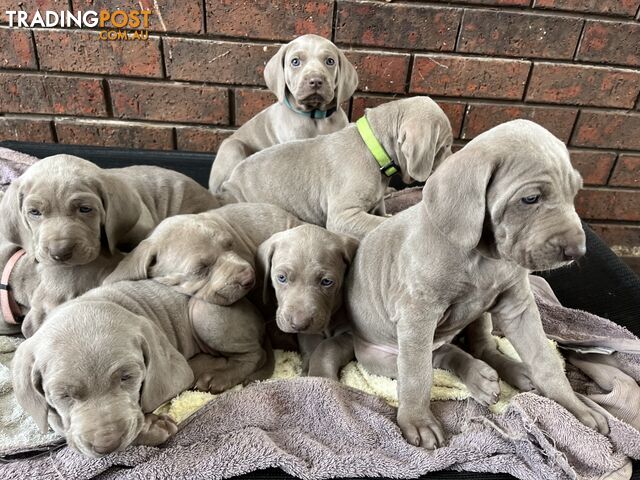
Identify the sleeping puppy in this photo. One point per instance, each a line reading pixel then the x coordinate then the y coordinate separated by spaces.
pixel 209 256
pixel 334 180
pixel 311 78
pixel 303 271
pixel 64 209
pixel 103 362
pixel 492 212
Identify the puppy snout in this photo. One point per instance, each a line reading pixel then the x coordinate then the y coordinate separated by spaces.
pixel 300 321
pixel 106 441
pixel 61 251
pixel 247 278
pixel 315 83
pixel 574 251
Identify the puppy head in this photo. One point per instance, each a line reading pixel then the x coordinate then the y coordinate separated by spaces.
pixel 314 71
pixel 510 190
pixel 91 373
pixel 60 206
pixel 306 267
pixel 195 256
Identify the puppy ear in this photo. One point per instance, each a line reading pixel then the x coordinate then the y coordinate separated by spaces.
pixel 27 384
pixel 455 196
pixel 349 248
pixel 422 146
pixel 121 206
pixel 167 371
pixel 263 265
pixel 135 265
pixel 12 226
pixel 347 80
pixel 274 73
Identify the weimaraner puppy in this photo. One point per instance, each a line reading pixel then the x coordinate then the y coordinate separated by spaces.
pixel 334 180
pixel 311 78
pixel 103 362
pixel 64 209
pixel 497 209
pixel 302 271
pixel 208 255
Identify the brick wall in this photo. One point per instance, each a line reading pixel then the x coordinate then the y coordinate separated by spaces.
pixel 571 65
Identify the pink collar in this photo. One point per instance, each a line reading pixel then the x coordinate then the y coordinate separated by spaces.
pixel 10 309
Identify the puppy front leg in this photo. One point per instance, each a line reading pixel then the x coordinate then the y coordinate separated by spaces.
pixel 352 221
pixel 331 355
pixel 156 430
pixel 416 327
pixel 521 324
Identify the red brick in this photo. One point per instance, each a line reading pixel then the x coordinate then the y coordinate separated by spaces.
pixel 185 16
pixel 626 8
pixel 499 32
pixel 481 117
pixel 269 19
pixel 380 72
pixel 16 48
pixel 176 102
pixel 251 101
pixel 83 51
pixel 30 6
pixel 113 133
pixel 627 235
pixel 34 93
pixel 416 27
pixel 469 76
pixel 216 61
pixel 610 43
pixel 608 130
pixel 25 129
pixel 453 110
pixel 594 166
pixel 608 204
pixel 200 139
pixel 582 85
pixel 627 171
pixel 499 3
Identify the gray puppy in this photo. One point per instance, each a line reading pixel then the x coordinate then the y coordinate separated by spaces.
pixel 103 362
pixel 334 180
pixel 311 78
pixel 498 208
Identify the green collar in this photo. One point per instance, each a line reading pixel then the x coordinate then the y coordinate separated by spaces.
pixel 315 113
pixel 387 165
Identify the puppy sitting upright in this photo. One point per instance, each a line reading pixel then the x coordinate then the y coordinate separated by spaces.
pixel 311 78
pixel 339 180
pixel 492 212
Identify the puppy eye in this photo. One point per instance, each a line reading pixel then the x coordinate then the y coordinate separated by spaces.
pixel 85 209
pixel 295 62
pixel 530 200
pixel 282 278
pixel 330 61
pixel 125 376
pixel 34 212
pixel 326 282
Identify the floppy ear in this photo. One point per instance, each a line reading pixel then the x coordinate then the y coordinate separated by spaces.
pixel 349 248
pixel 274 73
pixel 12 226
pixel 27 384
pixel 167 371
pixel 347 80
pixel 135 265
pixel 263 264
pixel 121 206
pixel 419 144
pixel 455 196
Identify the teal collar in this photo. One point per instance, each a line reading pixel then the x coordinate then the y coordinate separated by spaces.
pixel 315 114
pixel 387 165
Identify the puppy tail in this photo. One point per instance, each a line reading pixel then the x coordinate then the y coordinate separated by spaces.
pixel 267 368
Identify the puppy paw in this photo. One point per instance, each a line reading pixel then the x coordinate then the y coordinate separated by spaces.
pixel 421 430
pixel 157 430
pixel 482 381
pixel 591 418
pixel 213 383
pixel 517 375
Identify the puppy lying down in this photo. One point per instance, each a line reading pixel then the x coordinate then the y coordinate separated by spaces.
pixel 103 362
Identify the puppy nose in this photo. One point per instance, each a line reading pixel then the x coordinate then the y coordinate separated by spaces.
pixel 574 252
pixel 61 252
pixel 300 323
pixel 247 278
pixel 106 442
pixel 315 82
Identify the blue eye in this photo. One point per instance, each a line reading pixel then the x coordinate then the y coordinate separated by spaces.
pixel 85 209
pixel 295 62
pixel 330 61
pixel 282 278
pixel 530 200
pixel 326 282
pixel 34 212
